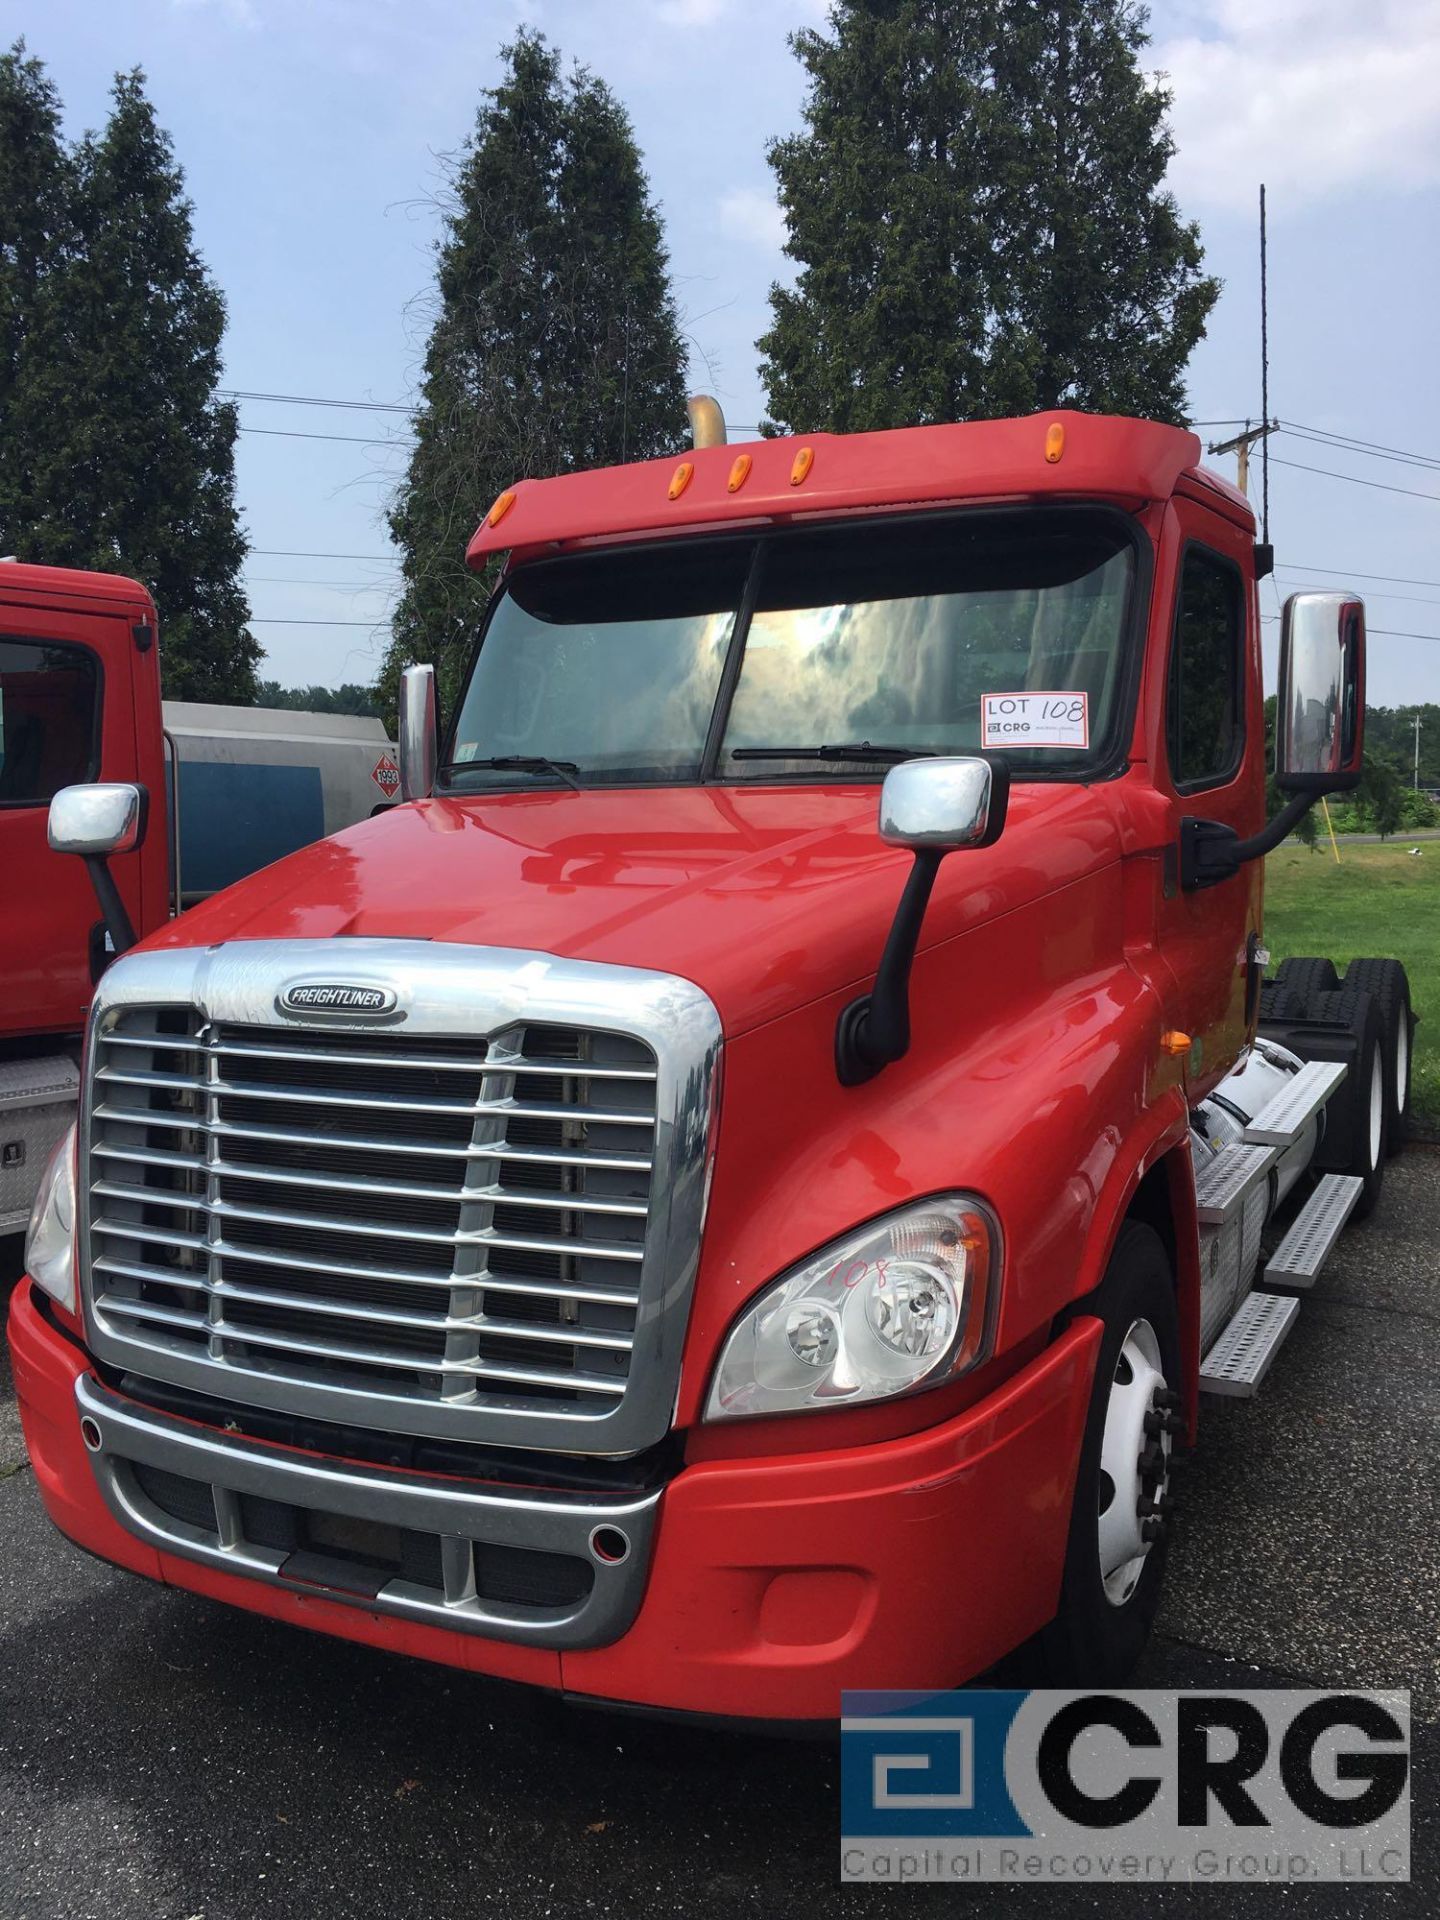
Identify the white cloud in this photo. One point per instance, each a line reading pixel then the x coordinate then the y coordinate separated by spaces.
pixel 748 214
pixel 692 13
pixel 1315 97
pixel 240 13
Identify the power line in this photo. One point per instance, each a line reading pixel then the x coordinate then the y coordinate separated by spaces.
pixel 353 439
pixel 316 400
pixel 304 553
pixel 357 586
pixel 1355 480
pixel 1354 573
pixel 268 620
pixel 1390 633
pixel 1350 444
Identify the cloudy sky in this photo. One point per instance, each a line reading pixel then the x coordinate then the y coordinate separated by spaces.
pixel 312 132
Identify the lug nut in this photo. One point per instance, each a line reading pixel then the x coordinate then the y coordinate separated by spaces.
pixel 1152 1462
pixel 1151 1530
pixel 1168 1398
pixel 1161 1506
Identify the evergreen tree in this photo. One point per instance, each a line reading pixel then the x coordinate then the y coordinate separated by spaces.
pixel 131 455
pixel 555 343
pixel 977 206
pixel 36 180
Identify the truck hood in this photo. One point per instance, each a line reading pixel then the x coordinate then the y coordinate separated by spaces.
pixel 765 897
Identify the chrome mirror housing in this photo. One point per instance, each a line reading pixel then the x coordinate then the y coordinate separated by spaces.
pixel 1320 697
pixel 943 805
pixel 104 817
pixel 418 732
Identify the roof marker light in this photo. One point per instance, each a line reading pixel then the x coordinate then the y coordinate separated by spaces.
pixel 804 460
pixel 681 478
pixel 739 473
pixel 1054 442
pixel 501 507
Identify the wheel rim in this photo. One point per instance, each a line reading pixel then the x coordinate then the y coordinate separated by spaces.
pixel 1377 1109
pixel 1129 1473
pixel 1402 1059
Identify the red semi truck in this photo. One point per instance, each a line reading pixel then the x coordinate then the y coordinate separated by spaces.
pixel 736 1188
pixel 80 702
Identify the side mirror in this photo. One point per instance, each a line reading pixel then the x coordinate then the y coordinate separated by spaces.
pixel 418 733
pixel 99 819
pixel 944 804
pixel 1320 699
pixel 96 821
pixel 934 807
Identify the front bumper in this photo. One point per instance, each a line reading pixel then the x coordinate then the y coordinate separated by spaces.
pixel 756 1588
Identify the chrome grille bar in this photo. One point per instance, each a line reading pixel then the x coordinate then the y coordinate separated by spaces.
pixel 480 1218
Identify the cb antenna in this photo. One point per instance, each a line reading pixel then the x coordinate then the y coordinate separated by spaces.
pixel 1264 383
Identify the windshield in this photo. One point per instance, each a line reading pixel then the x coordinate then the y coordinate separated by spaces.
pixel 708 659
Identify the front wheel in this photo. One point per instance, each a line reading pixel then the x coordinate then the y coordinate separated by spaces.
pixel 1115 1554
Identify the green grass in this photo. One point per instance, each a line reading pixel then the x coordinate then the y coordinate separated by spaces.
pixel 1379 900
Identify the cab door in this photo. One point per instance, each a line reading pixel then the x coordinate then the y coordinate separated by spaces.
pixel 1213 750
pixel 63 719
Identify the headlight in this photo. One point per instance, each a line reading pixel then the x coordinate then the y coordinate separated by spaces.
pixel 50 1238
pixel 901 1304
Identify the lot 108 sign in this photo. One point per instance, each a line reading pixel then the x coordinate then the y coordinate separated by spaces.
pixel 1241 1786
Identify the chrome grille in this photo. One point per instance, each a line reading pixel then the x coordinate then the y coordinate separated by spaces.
pixel 460 1222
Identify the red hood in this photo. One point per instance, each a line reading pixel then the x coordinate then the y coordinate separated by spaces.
pixel 766 897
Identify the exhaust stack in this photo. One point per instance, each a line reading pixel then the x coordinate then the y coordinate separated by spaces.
pixel 707 422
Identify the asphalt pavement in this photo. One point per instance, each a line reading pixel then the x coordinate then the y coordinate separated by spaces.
pixel 168 1759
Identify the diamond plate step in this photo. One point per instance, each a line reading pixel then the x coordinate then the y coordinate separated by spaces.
pixel 1240 1358
pixel 1297 1261
pixel 1223 1179
pixel 1278 1123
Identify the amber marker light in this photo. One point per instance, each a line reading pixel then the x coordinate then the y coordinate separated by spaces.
pixel 801 465
pixel 501 507
pixel 1054 442
pixel 681 478
pixel 739 473
pixel 1175 1043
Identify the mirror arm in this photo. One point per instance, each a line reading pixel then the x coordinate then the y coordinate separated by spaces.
pixel 1211 852
pixel 117 919
pixel 874 1030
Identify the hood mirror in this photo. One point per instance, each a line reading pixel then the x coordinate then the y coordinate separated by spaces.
pixel 944 804
pixel 95 821
pixel 934 807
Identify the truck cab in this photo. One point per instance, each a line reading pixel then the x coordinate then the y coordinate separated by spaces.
pixel 728 1192
pixel 79 702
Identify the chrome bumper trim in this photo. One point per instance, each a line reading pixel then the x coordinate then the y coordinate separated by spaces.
pixel 457 1515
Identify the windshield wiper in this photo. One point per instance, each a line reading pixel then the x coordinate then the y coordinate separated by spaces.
pixel 860 750
pixel 520 763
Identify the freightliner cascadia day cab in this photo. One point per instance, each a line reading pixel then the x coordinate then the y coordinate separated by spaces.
pixel 736 1188
pixel 223 791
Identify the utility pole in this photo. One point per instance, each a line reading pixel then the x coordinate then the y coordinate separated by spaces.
pixel 1416 781
pixel 1240 446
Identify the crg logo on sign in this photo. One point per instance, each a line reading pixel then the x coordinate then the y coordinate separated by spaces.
pixel 338 997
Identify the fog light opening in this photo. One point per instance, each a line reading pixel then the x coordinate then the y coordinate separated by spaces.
pixel 610 1545
pixel 90 1434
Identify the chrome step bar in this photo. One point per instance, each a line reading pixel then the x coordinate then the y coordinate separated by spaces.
pixel 1241 1357
pixel 1223 1178
pixel 1298 1259
pixel 1279 1123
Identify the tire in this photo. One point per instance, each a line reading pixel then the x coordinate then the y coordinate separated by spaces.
pixel 1280 1004
pixel 1108 1598
pixel 1387 983
pixel 1307 976
pixel 1356 1132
